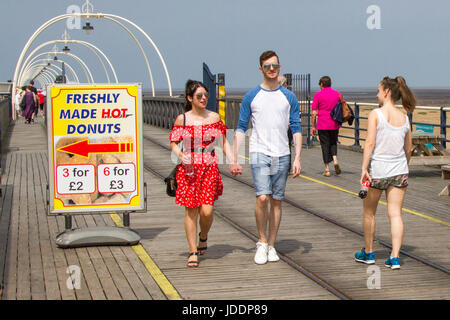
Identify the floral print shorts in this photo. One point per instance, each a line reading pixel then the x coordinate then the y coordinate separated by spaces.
pixel 400 181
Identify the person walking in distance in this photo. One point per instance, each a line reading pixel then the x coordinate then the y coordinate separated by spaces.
pixel 283 82
pixel 323 103
pixel 30 104
pixel 41 102
pixel 388 150
pixel 198 178
pixel 271 108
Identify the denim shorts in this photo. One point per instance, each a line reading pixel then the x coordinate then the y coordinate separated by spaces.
pixel 270 174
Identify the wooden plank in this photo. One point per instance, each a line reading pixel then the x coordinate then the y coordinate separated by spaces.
pixel 36 269
pixel 429 161
pixel 309 238
pixel 445 172
pixel 52 291
pixel 117 273
pixel 130 274
pixel 23 259
pixel 5 218
pixel 11 262
pixel 117 276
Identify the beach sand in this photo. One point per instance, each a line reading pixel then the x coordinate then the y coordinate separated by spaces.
pixel 425 97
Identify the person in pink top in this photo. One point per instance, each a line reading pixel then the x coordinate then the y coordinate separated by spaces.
pixel 323 103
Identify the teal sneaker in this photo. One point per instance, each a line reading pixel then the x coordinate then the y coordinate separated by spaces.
pixel 392 263
pixel 367 258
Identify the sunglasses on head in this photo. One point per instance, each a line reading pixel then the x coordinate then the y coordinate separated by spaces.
pixel 267 66
pixel 201 94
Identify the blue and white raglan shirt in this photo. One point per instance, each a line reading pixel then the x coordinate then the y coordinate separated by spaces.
pixel 271 112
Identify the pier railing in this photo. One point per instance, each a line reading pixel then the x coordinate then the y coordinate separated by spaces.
pixel 5 118
pixel 359 130
pixel 162 111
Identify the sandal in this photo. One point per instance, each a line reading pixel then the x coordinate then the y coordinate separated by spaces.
pixel 327 174
pixel 337 169
pixel 193 264
pixel 203 249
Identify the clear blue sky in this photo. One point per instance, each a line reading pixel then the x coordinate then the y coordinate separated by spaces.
pixel 326 37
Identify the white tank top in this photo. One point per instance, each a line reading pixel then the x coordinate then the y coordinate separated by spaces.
pixel 388 157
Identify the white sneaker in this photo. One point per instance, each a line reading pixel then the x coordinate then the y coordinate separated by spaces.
pixel 261 253
pixel 272 255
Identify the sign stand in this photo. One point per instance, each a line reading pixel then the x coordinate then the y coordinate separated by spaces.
pixel 95 160
pixel 97 236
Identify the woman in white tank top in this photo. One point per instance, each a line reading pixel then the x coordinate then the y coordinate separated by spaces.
pixel 388 150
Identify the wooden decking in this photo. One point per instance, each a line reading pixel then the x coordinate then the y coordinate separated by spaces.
pixel 33 267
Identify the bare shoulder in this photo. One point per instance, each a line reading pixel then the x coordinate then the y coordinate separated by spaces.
pixel 372 114
pixel 214 116
pixel 373 117
pixel 179 120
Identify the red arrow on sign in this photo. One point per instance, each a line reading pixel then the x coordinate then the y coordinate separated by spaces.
pixel 83 148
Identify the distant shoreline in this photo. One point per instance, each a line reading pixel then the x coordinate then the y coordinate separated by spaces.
pixel 426 96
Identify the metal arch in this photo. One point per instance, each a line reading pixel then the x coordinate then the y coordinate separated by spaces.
pixel 42 67
pixel 42 62
pixel 59 68
pixel 47 76
pixel 28 67
pixel 142 51
pixel 84 15
pixel 90 46
pixel 82 63
pixel 22 75
pixel 36 71
pixel 149 39
pixel 42 82
pixel 67 15
pixel 51 71
pixel 101 52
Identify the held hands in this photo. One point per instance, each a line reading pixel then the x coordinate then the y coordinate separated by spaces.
pixel 235 169
pixel 313 131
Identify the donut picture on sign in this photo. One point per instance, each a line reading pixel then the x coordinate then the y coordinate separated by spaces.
pixel 95 171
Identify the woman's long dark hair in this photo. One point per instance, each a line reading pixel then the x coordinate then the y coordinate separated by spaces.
pixel 191 87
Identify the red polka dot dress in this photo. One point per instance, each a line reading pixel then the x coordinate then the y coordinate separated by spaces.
pixel 205 185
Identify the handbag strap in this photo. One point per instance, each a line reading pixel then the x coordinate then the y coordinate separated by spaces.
pixel 184 125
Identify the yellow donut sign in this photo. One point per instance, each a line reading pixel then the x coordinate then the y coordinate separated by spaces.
pixel 95 150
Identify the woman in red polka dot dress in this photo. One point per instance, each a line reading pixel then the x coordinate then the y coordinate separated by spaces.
pixel 198 191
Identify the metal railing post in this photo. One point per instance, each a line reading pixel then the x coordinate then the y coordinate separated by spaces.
pixel 443 127
pixel 308 134
pixel 356 125
pixel 410 117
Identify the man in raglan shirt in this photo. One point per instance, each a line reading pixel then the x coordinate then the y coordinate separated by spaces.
pixel 272 109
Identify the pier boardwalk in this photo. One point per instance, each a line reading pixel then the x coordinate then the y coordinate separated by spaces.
pixel 320 232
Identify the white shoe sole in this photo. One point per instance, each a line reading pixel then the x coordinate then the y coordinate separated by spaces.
pixel 365 261
pixel 260 259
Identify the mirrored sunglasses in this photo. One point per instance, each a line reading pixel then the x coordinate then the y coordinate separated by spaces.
pixel 199 95
pixel 267 66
